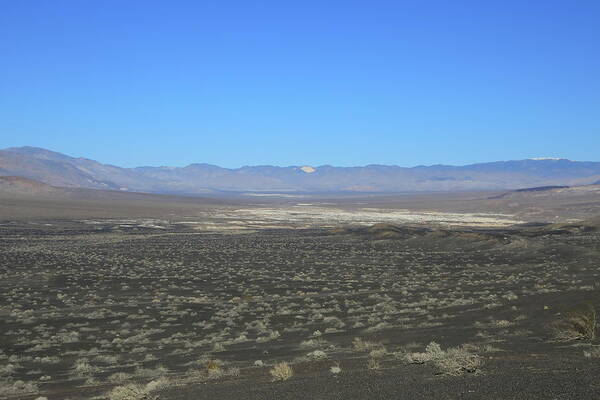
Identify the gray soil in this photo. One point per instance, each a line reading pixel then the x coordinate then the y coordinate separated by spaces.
pixel 90 304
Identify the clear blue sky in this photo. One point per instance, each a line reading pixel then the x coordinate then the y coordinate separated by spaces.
pixel 301 82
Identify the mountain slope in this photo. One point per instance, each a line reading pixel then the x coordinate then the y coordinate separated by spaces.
pixel 18 184
pixel 61 170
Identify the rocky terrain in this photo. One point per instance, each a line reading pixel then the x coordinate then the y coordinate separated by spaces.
pixel 123 296
pixel 157 309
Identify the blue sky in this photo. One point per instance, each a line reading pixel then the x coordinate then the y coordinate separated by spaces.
pixel 306 82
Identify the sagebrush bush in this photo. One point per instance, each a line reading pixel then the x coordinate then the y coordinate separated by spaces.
pixel 335 369
pixel 317 355
pixel 133 391
pixel 457 360
pixel 282 371
pixel 373 364
pixel 10 388
pixel 359 344
pixel 130 391
pixel 576 324
pixel 453 361
pixel 592 352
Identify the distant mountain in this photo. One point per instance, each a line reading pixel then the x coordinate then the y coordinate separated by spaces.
pixel 61 170
pixel 18 184
pixel 541 188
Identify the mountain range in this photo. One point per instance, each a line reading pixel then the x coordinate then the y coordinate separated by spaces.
pixel 58 169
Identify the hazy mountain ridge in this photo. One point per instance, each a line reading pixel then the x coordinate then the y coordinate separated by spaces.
pixel 61 170
pixel 18 184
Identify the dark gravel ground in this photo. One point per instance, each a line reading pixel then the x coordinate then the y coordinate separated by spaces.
pixel 541 377
pixel 79 292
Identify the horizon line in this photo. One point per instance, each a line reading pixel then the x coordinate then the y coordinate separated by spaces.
pixel 544 158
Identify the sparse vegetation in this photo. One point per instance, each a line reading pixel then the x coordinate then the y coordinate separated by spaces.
pixel 281 371
pixel 453 361
pixel 18 387
pixel 359 344
pixel 335 369
pixel 576 324
pixel 107 307
pixel 138 392
pixel 373 364
pixel 592 352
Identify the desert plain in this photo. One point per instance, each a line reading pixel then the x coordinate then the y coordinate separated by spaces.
pixel 433 296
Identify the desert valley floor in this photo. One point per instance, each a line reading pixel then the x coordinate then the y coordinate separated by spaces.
pixel 479 306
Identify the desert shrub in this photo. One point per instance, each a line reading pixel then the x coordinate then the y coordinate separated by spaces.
pixel 592 352
pixel 83 367
pixel 218 347
pixel 417 358
pixel 576 324
pixel 373 364
pixel 47 360
pixel 158 385
pixel 314 343
pixel 457 360
pixel 8 369
pixel 453 361
pixel 317 355
pixel 118 377
pixel 214 368
pixel 210 369
pixel 100 358
pixel 378 353
pixel 359 344
pixel 335 369
pixel 282 371
pixel 434 350
pixel 271 335
pixel 10 388
pixel 128 392
pixel 223 372
pixel 133 391
pixel 151 373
